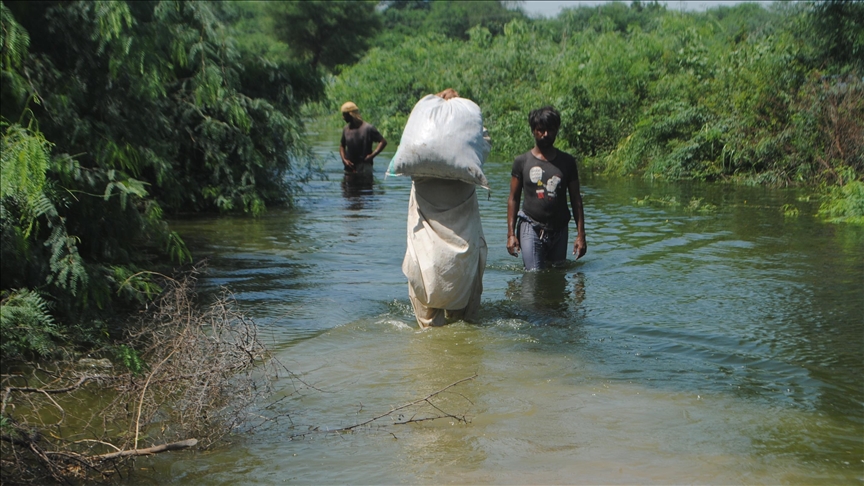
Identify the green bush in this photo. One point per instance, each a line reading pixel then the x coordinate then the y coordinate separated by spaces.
pixel 739 93
pixel 844 204
pixel 27 325
pixel 131 110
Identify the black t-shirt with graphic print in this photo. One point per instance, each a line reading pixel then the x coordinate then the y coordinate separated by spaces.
pixel 544 187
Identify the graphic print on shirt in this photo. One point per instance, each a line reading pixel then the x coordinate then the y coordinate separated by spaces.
pixel 552 185
pixel 536 174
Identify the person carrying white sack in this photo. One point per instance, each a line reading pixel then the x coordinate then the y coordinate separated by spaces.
pixel 446 251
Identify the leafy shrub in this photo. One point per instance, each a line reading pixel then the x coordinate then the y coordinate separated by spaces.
pixel 131 110
pixel 27 325
pixel 844 204
pixel 739 93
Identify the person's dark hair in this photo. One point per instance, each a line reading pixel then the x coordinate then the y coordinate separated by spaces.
pixel 546 117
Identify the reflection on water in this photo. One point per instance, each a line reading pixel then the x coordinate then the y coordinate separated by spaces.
pixel 548 294
pixel 356 188
pixel 720 346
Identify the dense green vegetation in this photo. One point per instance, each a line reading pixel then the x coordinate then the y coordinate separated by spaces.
pixel 114 113
pixel 741 93
pixel 117 113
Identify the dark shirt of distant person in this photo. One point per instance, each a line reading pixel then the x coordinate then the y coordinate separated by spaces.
pixel 357 140
pixel 545 176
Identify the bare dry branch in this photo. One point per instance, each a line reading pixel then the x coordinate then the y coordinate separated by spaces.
pixel 141 401
pixel 427 399
pixel 174 446
pixel 208 377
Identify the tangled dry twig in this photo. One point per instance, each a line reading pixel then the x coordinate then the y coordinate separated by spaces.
pixel 208 375
pixel 208 369
pixel 427 400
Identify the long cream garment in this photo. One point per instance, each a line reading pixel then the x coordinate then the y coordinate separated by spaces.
pixel 446 251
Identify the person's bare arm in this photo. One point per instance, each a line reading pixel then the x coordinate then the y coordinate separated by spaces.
pixel 378 149
pixel 512 207
pixel 579 246
pixel 347 163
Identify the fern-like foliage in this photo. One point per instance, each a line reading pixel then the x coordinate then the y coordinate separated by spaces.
pixel 26 324
pixel 24 159
pixel 14 41
pixel 150 109
pixel 135 284
pixel 67 267
pixel 176 248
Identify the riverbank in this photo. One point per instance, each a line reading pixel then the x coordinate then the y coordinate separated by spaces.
pixel 188 376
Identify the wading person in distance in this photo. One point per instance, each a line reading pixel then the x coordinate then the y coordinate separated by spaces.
pixel 357 139
pixel 546 176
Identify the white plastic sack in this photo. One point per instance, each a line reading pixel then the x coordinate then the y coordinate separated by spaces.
pixel 446 251
pixel 443 139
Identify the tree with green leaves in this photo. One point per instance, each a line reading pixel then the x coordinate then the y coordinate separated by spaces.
pixel 740 93
pixel 114 113
pixel 837 28
pixel 326 34
pixel 453 19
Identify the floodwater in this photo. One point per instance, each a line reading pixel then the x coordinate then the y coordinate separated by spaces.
pixel 712 342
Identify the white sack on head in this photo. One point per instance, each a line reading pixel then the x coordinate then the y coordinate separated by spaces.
pixel 443 139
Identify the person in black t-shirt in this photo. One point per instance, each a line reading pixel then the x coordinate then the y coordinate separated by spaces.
pixel 546 176
pixel 357 139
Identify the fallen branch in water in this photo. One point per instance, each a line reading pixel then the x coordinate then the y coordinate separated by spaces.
pixel 174 446
pixel 189 370
pixel 91 462
pixel 47 391
pixel 427 399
